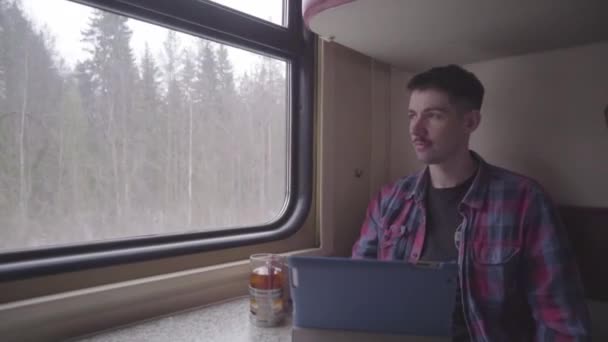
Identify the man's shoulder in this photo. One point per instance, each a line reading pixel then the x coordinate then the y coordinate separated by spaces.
pixel 501 179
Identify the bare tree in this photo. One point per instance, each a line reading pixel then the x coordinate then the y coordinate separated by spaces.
pixel 22 157
pixel 188 83
pixel 173 100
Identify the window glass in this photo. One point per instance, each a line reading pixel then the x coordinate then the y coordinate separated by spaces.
pixel 112 127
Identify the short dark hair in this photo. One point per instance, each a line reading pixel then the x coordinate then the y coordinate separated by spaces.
pixel 463 87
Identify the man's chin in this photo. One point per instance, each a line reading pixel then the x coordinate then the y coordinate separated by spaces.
pixel 427 159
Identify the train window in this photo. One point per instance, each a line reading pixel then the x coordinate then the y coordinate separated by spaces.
pixel 134 124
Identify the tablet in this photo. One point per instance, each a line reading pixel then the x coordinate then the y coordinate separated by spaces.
pixel 373 296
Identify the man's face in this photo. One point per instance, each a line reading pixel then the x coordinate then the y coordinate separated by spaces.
pixel 438 129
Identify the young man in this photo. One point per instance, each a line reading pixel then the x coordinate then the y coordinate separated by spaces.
pixel 518 280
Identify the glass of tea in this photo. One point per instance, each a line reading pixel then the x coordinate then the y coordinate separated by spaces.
pixel 267 283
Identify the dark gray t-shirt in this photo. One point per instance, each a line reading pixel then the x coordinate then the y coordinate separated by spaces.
pixel 442 221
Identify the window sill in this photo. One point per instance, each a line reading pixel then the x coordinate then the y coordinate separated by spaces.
pixel 78 313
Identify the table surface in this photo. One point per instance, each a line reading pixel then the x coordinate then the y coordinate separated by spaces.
pixel 226 321
pixel 229 321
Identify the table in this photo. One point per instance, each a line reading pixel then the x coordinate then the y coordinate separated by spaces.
pixel 223 322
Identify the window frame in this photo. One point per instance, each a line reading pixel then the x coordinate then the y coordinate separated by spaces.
pixel 208 20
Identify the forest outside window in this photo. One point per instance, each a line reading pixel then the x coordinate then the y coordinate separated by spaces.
pixel 113 128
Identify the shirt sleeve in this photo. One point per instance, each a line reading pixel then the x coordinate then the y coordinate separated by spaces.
pixel 366 246
pixel 553 283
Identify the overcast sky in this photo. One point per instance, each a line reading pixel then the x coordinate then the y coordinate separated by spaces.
pixel 65 20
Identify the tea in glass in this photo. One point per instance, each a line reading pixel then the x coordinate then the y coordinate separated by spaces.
pixel 266 282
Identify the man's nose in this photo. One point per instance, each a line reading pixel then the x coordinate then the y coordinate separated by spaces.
pixel 417 127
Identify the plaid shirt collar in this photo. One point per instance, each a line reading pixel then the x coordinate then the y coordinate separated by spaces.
pixel 474 198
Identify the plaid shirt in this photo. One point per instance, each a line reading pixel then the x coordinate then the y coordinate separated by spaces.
pixel 518 275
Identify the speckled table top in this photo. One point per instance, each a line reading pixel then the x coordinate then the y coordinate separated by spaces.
pixel 224 322
pixel 229 322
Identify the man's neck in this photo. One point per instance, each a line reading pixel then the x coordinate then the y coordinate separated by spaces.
pixel 454 171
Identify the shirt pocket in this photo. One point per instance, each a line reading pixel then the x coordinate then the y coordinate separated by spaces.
pixel 392 242
pixel 494 254
pixel 495 273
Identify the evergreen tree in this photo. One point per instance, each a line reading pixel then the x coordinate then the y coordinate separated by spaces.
pixel 225 77
pixel 111 65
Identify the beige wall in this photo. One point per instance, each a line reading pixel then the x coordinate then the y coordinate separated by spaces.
pixel 542 116
pixel 354 128
pixel 403 161
pixel 380 126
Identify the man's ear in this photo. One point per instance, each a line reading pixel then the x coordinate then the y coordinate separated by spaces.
pixel 472 120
